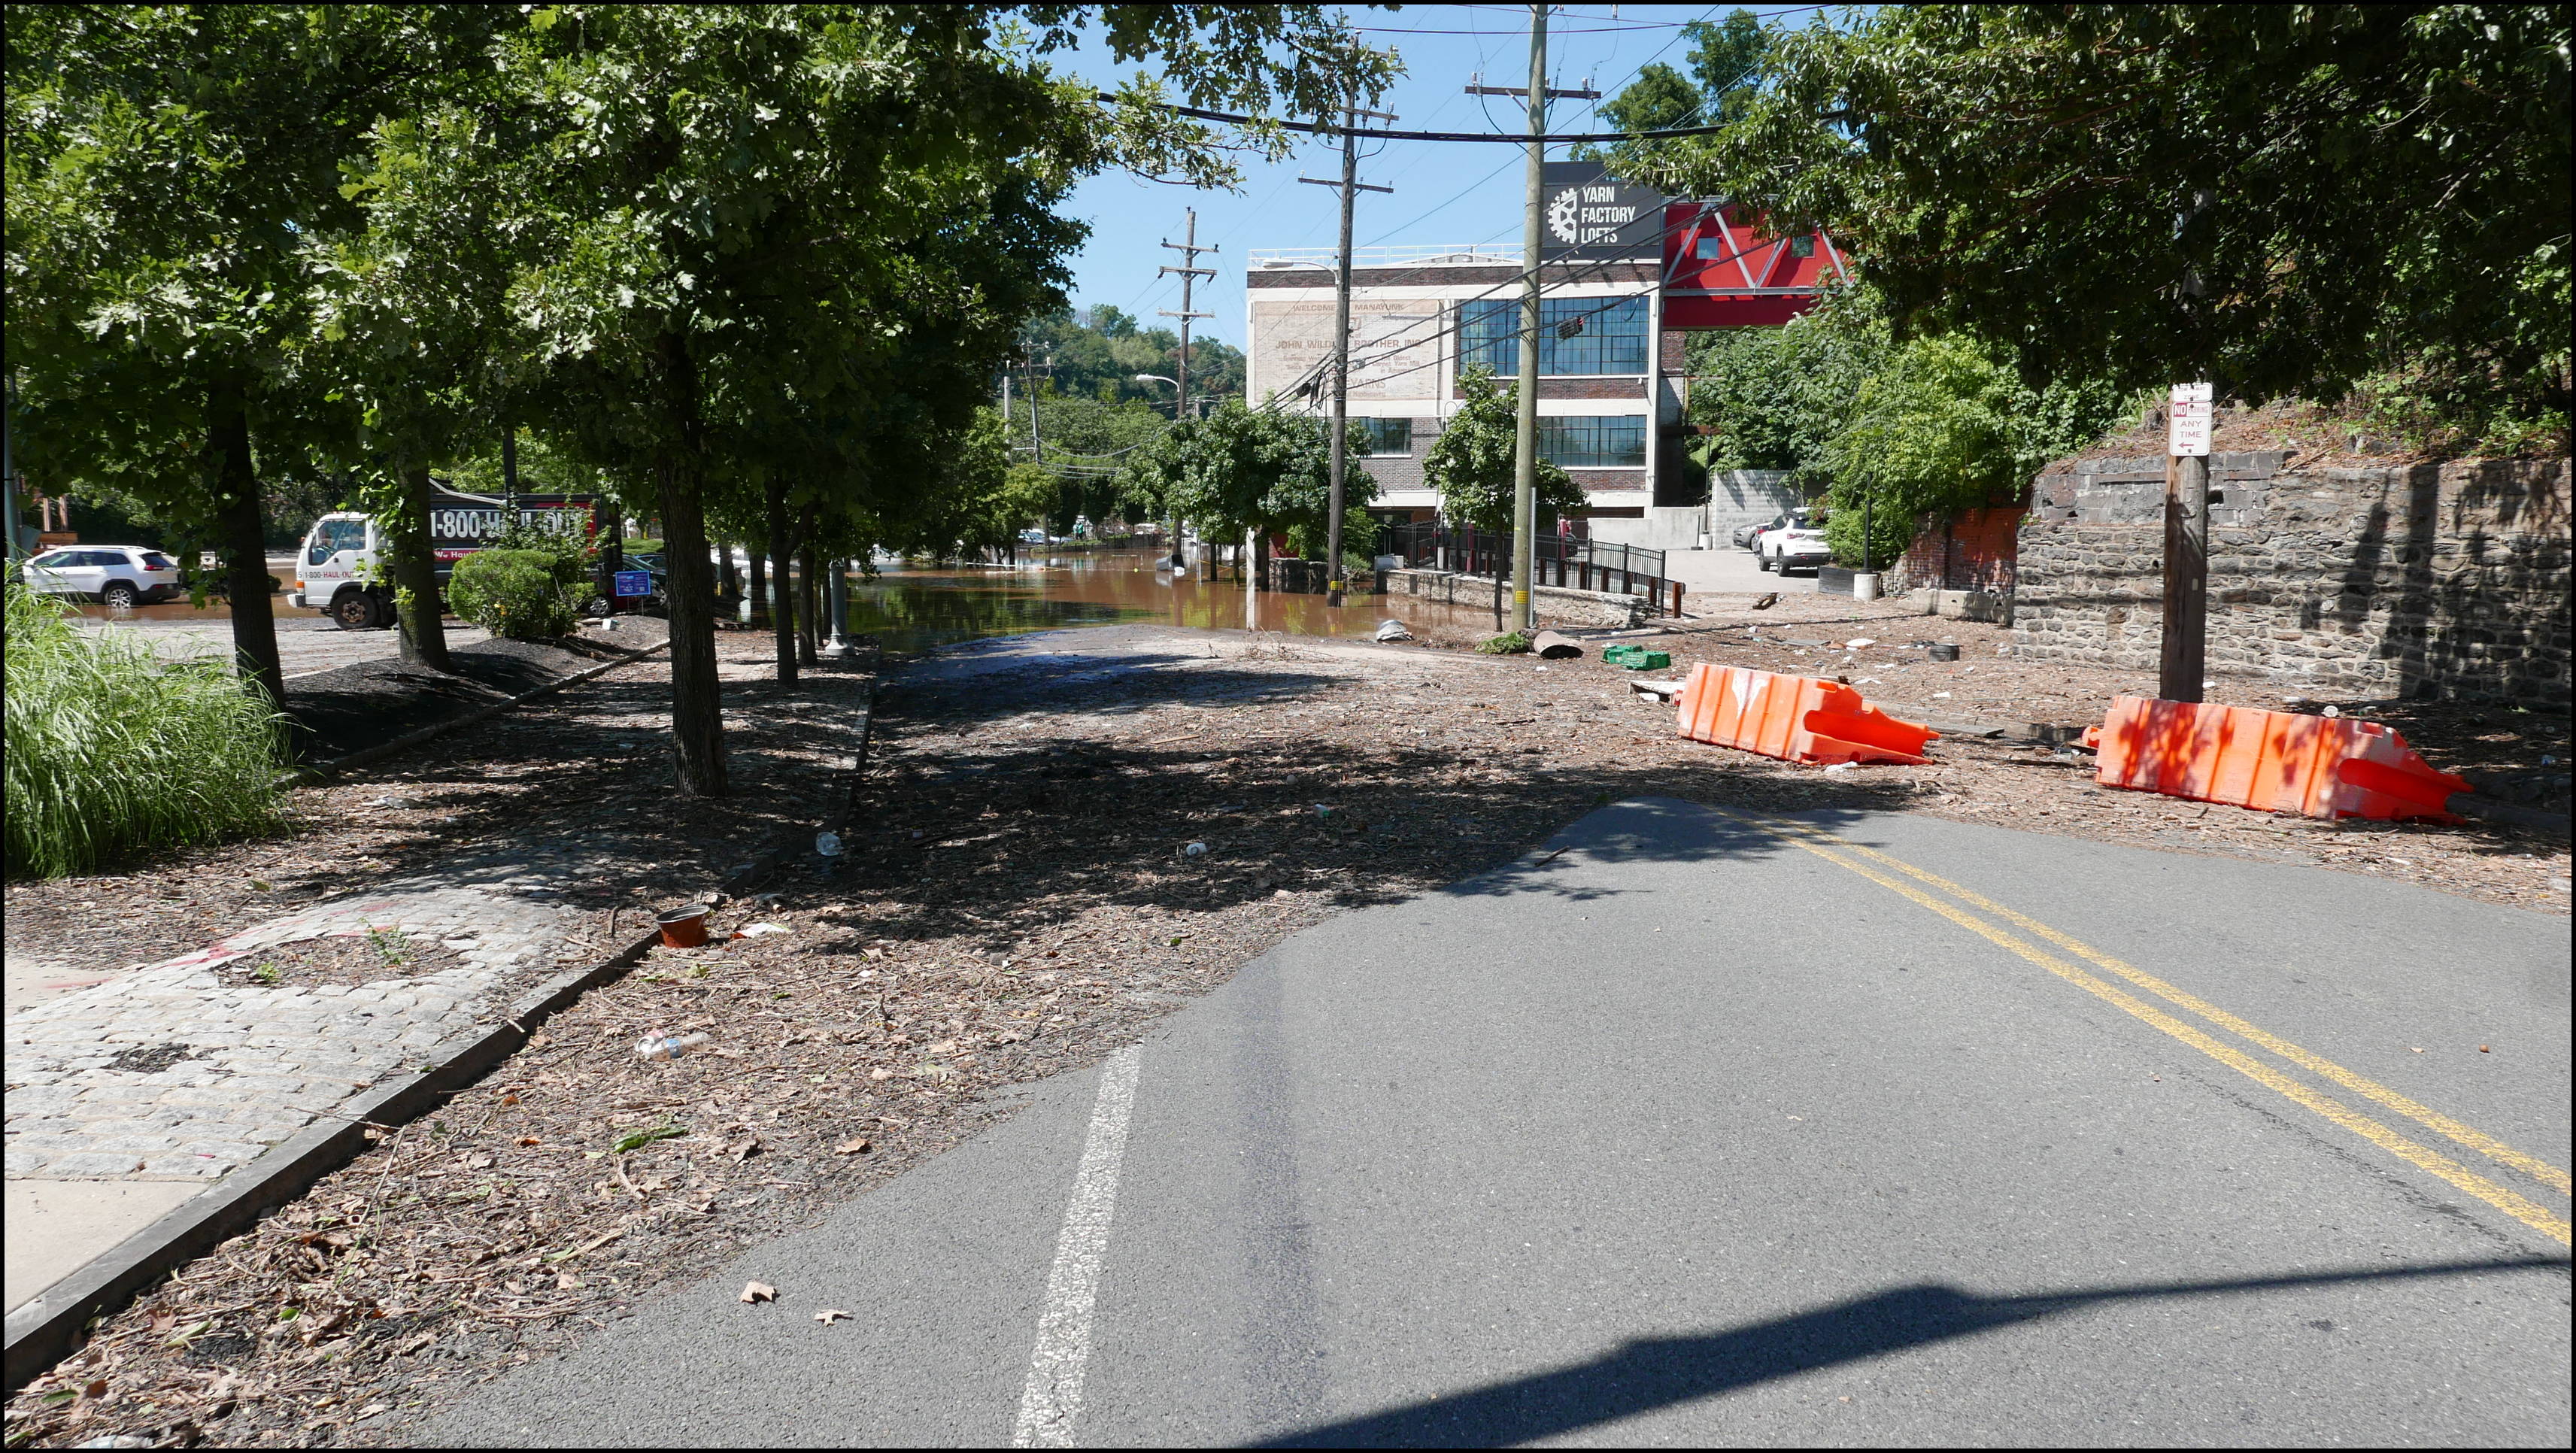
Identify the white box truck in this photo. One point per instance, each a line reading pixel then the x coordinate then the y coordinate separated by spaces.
pixel 342 571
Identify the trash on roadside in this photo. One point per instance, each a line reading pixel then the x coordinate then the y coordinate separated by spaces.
pixel 829 1315
pixel 683 927
pixel 1856 645
pixel 1659 690
pixel 1945 651
pixel 759 930
pixel 1194 850
pixel 758 1291
pixel 1842 767
pixel 1556 647
pixel 828 844
pixel 1638 658
pixel 2331 711
pixel 658 1045
pixel 1392 629
pixel 1324 811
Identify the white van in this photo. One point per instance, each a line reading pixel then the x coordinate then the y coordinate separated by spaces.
pixel 341 570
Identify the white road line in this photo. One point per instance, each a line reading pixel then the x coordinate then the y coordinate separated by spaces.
pixel 1053 1398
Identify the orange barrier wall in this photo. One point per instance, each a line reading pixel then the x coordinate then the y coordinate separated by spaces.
pixel 1793 717
pixel 2271 761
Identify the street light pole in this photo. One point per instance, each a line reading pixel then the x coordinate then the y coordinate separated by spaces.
pixel 1190 272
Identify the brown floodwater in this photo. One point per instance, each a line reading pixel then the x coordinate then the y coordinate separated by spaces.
pixel 917 610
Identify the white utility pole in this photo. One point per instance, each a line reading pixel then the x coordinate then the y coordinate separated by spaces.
pixel 1349 186
pixel 1190 272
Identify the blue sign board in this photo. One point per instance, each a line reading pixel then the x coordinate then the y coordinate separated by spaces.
pixel 634 582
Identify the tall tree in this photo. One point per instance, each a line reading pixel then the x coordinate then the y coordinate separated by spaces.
pixel 1471 463
pixel 2275 197
pixel 166 165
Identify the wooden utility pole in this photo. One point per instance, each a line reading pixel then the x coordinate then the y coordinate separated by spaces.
pixel 1525 444
pixel 1349 186
pixel 2185 653
pixel 1190 272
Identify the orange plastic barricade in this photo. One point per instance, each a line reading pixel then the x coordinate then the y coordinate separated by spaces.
pixel 1793 717
pixel 2271 761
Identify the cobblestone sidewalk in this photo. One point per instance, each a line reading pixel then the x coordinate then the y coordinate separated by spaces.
pixel 178 1072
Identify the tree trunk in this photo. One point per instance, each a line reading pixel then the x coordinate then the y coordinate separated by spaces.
pixel 238 520
pixel 416 601
pixel 756 592
pixel 697 703
pixel 782 559
pixel 808 650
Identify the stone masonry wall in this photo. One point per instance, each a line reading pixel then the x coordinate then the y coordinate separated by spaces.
pixel 2445 580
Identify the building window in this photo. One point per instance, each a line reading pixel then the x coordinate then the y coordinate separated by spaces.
pixel 1576 335
pixel 1376 438
pixel 1613 441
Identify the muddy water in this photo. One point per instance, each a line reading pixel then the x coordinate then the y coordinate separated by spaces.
pixel 916 610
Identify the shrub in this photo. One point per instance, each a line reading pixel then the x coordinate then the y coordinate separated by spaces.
pixel 111 749
pixel 518 594
pixel 1510 643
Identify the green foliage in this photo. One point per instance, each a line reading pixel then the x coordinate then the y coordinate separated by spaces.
pixel 1248 469
pixel 111 750
pixel 1775 398
pixel 514 594
pixel 1472 464
pixel 1726 64
pixel 2277 198
pixel 1084 360
pixel 1510 643
pixel 568 558
pixel 1945 426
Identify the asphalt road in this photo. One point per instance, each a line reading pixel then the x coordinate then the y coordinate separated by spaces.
pixel 1705 1130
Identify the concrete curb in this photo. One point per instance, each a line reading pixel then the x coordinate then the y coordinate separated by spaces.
pixel 322 771
pixel 54 1324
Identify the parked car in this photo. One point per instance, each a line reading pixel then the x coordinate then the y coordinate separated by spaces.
pixel 1795 545
pixel 1033 537
pixel 119 576
pixel 1751 539
pixel 1742 538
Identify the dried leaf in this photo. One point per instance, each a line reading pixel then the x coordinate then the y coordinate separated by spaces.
pixel 758 1291
pixel 852 1147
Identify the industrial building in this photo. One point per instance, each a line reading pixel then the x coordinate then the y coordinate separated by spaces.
pixel 1627 275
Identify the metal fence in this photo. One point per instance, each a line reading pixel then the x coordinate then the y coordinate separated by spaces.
pixel 1566 560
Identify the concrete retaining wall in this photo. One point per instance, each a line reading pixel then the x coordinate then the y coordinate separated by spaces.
pixel 1747 496
pixel 2443 580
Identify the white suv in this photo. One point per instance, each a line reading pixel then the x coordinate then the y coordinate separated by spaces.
pixel 119 576
pixel 1801 543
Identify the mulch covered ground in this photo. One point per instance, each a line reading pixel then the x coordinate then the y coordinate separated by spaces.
pixel 1019 896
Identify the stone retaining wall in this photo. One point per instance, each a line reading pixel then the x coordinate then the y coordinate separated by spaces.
pixel 2442 580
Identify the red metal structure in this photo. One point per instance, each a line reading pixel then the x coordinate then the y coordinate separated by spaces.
pixel 1720 272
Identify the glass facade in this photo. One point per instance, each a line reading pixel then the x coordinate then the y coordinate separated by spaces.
pixel 1576 441
pixel 1378 438
pixel 1577 336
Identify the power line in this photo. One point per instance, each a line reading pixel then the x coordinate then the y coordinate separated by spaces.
pixel 1327 129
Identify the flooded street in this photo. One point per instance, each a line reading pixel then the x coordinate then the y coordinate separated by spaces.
pixel 920 609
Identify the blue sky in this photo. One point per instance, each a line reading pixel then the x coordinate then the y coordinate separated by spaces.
pixel 1444 192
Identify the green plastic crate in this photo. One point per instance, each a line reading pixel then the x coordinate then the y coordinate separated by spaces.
pixel 1638 658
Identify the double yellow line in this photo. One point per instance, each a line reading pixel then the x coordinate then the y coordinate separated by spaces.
pixel 1852 856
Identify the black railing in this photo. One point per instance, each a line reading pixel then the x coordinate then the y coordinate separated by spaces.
pixel 1567 560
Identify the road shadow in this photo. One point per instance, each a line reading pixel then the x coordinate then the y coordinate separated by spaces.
pixel 1659 1372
